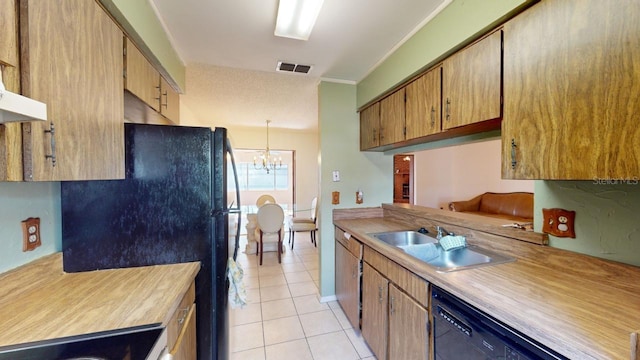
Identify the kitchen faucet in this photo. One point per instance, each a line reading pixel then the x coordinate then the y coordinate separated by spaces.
pixel 442 232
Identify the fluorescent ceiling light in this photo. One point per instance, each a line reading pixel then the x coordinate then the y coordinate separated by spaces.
pixel 296 18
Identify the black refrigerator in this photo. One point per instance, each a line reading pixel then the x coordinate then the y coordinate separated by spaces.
pixel 172 207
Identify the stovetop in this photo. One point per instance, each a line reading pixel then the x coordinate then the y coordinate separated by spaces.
pixel 124 344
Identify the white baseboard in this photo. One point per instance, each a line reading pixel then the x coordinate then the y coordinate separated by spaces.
pixel 324 299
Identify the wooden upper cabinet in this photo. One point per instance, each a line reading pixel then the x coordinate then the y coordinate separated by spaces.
pixel 392 113
pixel 72 61
pixel 572 92
pixel 472 82
pixel 9 38
pixel 141 78
pixel 169 102
pixel 423 104
pixel 370 127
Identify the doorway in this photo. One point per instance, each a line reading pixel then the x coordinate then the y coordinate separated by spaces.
pixel 403 178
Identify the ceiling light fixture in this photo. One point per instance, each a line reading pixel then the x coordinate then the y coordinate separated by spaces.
pixel 267 161
pixel 296 18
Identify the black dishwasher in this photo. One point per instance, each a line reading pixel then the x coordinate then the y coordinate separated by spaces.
pixel 462 332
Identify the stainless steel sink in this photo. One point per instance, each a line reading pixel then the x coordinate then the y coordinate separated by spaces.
pixel 404 238
pixel 466 258
pixel 446 261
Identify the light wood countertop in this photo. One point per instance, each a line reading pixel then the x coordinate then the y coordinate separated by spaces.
pixel 581 306
pixel 40 302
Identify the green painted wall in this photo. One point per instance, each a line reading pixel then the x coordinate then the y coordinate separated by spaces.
pixel 140 21
pixel 19 201
pixel 606 224
pixel 340 150
pixel 461 20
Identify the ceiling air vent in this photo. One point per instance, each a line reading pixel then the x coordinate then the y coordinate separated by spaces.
pixel 289 67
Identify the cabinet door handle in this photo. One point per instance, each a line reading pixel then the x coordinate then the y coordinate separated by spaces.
pixel 380 294
pixel 433 116
pixel 52 131
pixel 448 105
pixel 392 310
pixel 183 316
pixel 166 100
pixel 513 154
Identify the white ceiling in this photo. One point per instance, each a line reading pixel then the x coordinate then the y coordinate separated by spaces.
pixel 349 39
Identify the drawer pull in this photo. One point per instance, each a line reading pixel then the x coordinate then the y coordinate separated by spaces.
pixel 380 294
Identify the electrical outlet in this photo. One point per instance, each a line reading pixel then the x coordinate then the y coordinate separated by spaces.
pixel 559 222
pixel 335 198
pixel 31 234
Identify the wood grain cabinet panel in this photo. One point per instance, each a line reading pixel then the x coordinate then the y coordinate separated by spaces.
pixel 408 323
pixel 169 102
pixel 370 127
pixel 572 92
pixel 10 133
pixel 72 61
pixel 392 113
pixel 348 284
pixel 375 298
pixel 141 78
pixel 423 106
pixel 9 38
pixel 472 83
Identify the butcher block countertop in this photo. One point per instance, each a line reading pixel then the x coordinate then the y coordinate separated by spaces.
pixel 583 307
pixel 41 302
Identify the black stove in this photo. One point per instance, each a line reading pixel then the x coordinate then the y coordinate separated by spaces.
pixel 124 344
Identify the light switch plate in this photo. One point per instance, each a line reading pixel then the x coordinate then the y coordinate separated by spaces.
pixel 559 222
pixel 335 198
pixel 336 175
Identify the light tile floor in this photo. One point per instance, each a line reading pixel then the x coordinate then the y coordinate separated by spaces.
pixel 284 318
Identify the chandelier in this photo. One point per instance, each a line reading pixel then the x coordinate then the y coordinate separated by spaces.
pixel 267 161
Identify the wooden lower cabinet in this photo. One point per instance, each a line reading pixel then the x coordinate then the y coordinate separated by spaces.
pixel 395 314
pixel 408 324
pixel 375 300
pixel 181 330
pixel 348 284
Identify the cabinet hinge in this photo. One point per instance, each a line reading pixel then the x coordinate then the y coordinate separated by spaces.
pixel 404 131
pixel 124 51
pixel 124 73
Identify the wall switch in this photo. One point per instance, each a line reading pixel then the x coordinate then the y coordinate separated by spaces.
pixel 359 196
pixel 336 175
pixel 31 234
pixel 559 222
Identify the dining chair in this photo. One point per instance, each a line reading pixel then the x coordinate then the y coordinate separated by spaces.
pixel 265 199
pixel 270 219
pixel 305 224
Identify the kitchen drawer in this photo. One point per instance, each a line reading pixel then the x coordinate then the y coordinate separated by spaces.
pixel 352 244
pixel 174 327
